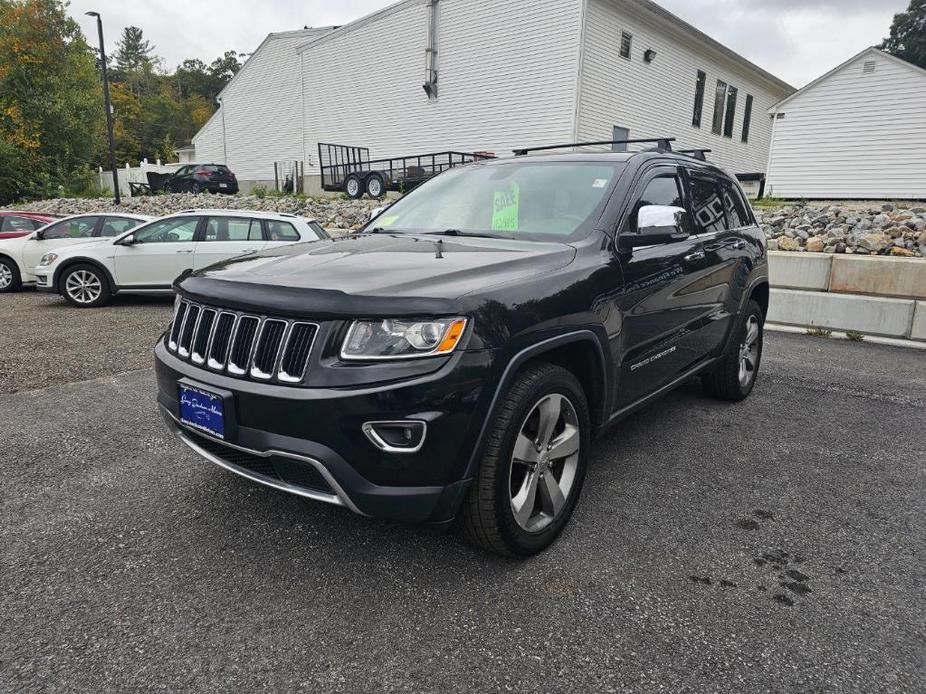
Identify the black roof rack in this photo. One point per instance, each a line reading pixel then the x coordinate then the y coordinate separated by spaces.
pixel 663 144
pixel 699 154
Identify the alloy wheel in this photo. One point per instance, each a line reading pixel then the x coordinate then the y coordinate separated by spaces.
pixel 83 286
pixel 6 276
pixel 544 462
pixel 353 187
pixel 749 352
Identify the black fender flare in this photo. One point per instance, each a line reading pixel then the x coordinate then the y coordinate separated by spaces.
pixel 84 261
pixel 758 279
pixel 521 358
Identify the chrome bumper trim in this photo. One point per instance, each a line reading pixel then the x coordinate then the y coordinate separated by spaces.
pixel 339 498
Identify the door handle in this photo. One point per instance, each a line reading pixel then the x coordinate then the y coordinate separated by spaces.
pixel 189 251
pixel 692 257
pixel 737 245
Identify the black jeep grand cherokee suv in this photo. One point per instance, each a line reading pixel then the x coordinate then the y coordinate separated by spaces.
pixel 454 361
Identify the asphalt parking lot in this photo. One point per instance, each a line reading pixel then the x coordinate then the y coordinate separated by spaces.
pixel 775 545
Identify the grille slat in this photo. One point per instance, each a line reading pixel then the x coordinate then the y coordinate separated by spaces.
pixel 186 332
pixel 203 334
pixel 242 345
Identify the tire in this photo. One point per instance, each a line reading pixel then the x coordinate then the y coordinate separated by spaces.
pixel 10 279
pixel 726 380
pixel 376 187
pixel 488 518
pixel 353 187
pixel 85 286
pixel 195 188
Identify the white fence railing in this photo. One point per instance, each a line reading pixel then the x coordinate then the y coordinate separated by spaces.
pixel 134 174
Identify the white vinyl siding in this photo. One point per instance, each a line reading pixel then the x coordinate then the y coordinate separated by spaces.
pixel 853 134
pixel 209 142
pixel 506 78
pixel 657 99
pixel 262 111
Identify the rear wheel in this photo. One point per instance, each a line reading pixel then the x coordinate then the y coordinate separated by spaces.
pixel 532 471
pixel 196 188
pixel 10 281
pixel 734 376
pixel 376 188
pixel 85 286
pixel 353 187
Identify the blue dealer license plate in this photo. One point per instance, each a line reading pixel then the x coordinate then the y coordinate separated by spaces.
pixel 202 410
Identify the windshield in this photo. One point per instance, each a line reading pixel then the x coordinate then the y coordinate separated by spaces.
pixel 541 201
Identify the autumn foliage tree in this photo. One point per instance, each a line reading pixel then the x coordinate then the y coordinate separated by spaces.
pixel 51 114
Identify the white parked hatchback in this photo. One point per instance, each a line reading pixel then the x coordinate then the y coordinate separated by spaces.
pixel 19 256
pixel 150 257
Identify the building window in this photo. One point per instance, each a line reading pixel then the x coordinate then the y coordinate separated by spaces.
pixel 626 40
pixel 747 116
pixel 731 112
pixel 430 67
pixel 699 99
pixel 720 100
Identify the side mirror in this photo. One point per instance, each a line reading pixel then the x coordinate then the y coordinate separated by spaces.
pixel 39 236
pixel 127 240
pixel 657 224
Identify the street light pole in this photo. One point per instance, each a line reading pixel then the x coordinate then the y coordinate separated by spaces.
pixel 109 108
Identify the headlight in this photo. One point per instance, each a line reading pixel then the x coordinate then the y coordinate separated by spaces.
pixel 402 338
pixel 48 259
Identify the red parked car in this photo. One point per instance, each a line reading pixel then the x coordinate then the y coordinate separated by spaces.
pixel 14 224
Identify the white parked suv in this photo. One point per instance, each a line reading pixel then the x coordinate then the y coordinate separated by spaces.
pixel 19 256
pixel 150 257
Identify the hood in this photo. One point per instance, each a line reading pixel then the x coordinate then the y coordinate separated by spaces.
pixel 81 246
pixel 376 274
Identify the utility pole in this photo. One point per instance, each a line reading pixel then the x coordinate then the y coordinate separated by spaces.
pixel 109 108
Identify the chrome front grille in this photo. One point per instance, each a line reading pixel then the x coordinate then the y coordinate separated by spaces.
pixel 263 348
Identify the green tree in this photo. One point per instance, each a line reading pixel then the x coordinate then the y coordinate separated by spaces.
pixel 133 52
pixel 51 109
pixel 908 34
pixel 226 67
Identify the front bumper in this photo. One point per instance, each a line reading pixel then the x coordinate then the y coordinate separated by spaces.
pixel 309 441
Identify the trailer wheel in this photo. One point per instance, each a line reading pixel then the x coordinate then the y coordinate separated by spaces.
pixel 353 187
pixel 376 188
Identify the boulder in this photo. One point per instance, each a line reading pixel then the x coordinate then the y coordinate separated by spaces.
pixel 815 245
pixel 788 244
pixel 902 252
pixel 874 242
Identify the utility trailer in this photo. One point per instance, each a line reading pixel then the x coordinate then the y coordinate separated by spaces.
pixel 350 170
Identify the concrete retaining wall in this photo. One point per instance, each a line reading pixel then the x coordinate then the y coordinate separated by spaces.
pixel 874 295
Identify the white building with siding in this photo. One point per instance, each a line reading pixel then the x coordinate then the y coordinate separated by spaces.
pixel 532 72
pixel 857 132
pixel 259 119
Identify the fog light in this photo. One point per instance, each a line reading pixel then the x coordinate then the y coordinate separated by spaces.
pixel 400 436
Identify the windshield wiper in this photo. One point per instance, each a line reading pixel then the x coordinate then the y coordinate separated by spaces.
pixel 457 232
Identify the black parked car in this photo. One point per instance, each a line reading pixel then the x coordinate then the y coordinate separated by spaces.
pixel 454 361
pixel 197 178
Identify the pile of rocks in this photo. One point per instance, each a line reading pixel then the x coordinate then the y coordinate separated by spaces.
pixel 330 212
pixel 887 230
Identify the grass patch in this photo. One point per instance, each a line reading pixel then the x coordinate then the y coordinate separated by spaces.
pixel 819 332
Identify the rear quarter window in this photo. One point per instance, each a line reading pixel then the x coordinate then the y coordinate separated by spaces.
pixel 282 231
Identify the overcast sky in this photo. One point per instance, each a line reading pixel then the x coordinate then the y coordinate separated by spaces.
pixel 796 40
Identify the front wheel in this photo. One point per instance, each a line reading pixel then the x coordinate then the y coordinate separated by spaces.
pixel 10 281
pixel 734 376
pixel 532 470
pixel 376 187
pixel 353 187
pixel 85 286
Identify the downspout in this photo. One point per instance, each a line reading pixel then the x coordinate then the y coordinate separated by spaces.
pixel 580 69
pixel 771 146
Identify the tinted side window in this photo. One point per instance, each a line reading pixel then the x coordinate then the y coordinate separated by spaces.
pixel 707 204
pixel 733 204
pixel 18 224
pixel 662 190
pixel 282 231
pixel 175 230
pixel 81 228
pixel 233 229
pixel 114 226
pixel 319 230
